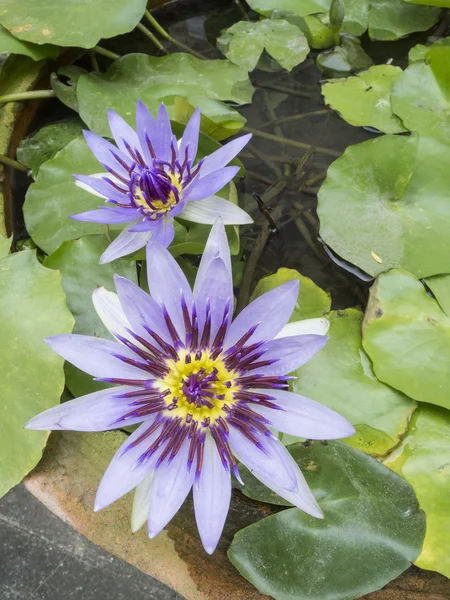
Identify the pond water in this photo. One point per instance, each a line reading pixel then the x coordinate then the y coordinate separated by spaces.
pixel 284 174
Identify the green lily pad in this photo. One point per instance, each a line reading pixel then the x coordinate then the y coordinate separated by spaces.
pixel 32 307
pixel 156 79
pixel 244 42
pixel 312 301
pixel 343 59
pixel 54 197
pixel 11 45
pixel 317 33
pixel 440 3
pixel 385 204
pixel 407 336
pixel 75 24
pixel 423 459
pixel 5 245
pixel 364 100
pixel 66 90
pixel 440 286
pixel 421 96
pixel 36 149
pixel 298 7
pixel 78 262
pixel 340 376
pixel 373 529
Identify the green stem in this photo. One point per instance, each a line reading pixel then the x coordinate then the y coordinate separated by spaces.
pixel 152 37
pixel 168 37
pixel 288 142
pixel 94 62
pixel 285 90
pixel 10 162
pixel 107 53
pixel 27 96
pixel 313 113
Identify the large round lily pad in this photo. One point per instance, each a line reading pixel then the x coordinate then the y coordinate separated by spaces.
pixel 154 79
pixel 407 336
pixel 421 96
pixel 78 262
pixel 76 23
pixel 32 307
pixel 11 45
pixel 385 204
pixel 244 42
pixel 341 377
pixel 423 459
pixel 373 529
pixel 440 286
pixel 364 100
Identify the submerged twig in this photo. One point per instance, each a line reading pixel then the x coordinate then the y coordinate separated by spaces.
pixel 289 142
pixel 168 37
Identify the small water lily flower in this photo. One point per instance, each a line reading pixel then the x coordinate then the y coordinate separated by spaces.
pixel 152 177
pixel 207 390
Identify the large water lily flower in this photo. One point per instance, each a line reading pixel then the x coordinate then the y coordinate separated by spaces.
pixel 152 177
pixel 206 389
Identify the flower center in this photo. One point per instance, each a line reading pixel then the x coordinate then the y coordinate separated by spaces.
pixel 201 388
pixel 155 191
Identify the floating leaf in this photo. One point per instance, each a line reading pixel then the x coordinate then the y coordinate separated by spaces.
pixel 440 286
pixel 393 19
pixel 36 149
pixel 440 3
pixel 343 59
pixel 81 272
pixel 244 42
pixel 421 96
pixel 317 33
pixel 54 197
pixel 364 100
pixel 74 24
pixel 389 196
pixel 340 376
pixel 5 245
pixel 32 307
pixel 66 92
pixel 407 337
pixel 156 79
pixel 312 300
pixel 11 45
pixel 423 459
pixel 373 529
pixel 299 7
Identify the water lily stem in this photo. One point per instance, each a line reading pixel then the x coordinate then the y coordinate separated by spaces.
pixel 152 37
pixel 107 53
pixel 168 37
pixel 27 96
pixel 10 162
pixel 312 113
pixel 289 142
pixel 94 62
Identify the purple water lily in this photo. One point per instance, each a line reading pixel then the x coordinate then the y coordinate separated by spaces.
pixel 205 388
pixel 152 177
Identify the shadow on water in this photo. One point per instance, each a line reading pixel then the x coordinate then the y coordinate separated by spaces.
pixel 285 174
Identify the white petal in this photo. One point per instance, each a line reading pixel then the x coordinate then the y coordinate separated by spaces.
pixel 85 186
pixel 206 211
pixel 141 503
pixel 307 326
pixel 110 311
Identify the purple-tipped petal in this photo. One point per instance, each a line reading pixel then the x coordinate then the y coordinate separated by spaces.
pixel 106 215
pixel 96 356
pixel 271 462
pixel 289 353
pixel 271 312
pixel 140 309
pixel 98 411
pixel 214 295
pixel 206 211
pixel 104 152
pixel 307 326
pixel 122 133
pixel 125 472
pixel 218 159
pixel 98 185
pixel 171 484
pixel 125 243
pixel 145 124
pixel 212 496
pixel 162 134
pixel 168 283
pixel 216 247
pixel 207 186
pixel 164 232
pixel 305 418
pixel 189 140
